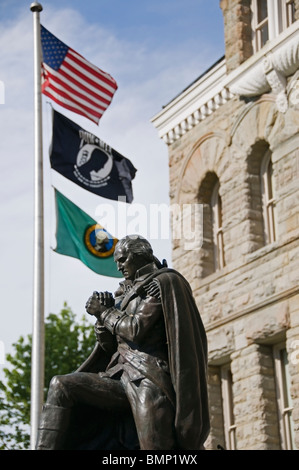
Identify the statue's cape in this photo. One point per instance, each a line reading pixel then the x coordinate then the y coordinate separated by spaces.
pixel 187 348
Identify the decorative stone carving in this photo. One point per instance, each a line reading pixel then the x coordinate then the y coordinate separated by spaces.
pixel 277 82
pixel 265 72
pixel 270 72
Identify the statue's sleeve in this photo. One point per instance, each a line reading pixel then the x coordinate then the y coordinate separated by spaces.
pixel 104 337
pixel 133 327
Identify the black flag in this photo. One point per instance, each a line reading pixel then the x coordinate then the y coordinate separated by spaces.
pixel 89 162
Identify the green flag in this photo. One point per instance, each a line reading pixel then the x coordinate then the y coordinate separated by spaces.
pixel 80 236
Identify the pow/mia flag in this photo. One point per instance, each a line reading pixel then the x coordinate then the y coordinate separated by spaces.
pixel 89 162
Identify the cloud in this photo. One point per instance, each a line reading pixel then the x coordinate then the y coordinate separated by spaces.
pixel 148 76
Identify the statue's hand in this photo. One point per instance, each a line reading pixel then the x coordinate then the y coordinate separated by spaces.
pixel 94 306
pixel 107 299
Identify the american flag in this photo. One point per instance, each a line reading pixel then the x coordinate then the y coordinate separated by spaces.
pixel 72 81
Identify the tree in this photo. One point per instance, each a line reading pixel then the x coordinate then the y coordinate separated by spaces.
pixel 67 344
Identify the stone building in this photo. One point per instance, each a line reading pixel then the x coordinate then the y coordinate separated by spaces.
pixel 233 143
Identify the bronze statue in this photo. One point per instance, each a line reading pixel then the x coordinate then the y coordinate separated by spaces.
pixel 144 385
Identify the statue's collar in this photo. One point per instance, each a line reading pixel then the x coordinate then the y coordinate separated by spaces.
pixel 144 271
pixel 140 279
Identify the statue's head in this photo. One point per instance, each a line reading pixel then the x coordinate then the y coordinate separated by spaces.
pixel 132 253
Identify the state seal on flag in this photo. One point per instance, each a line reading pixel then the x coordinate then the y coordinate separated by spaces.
pixel 99 242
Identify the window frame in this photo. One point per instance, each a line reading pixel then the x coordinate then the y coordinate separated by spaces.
pixel 287 13
pixel 227 406
pixel 268 198
pixel 257 26
pixel 217 229
pixel 284 401
pixel 277 20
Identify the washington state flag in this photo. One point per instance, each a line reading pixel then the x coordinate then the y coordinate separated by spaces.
pixel 80 236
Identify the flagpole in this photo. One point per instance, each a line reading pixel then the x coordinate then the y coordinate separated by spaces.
pixel 37 361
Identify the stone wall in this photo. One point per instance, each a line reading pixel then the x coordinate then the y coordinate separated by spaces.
pixel 253 302
pixel 254 397
pixel 237 32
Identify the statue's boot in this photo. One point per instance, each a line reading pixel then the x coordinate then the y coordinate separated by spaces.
pixel 53 427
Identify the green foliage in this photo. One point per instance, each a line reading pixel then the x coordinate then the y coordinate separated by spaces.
pixel 67 345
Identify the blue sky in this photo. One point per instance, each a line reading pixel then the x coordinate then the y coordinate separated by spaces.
pixel 158 22
pixel 154 49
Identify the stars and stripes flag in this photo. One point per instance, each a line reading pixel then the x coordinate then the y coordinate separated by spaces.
pixel 72 81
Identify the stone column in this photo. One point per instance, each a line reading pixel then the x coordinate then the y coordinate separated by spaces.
pixel 237 32
pixel 255 408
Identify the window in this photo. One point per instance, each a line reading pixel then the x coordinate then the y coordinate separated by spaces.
pixel 227 404
pixel 216 206
pixel 284 401
pixel 268 198
pixel 261 26
pixel 288 13
pixel 211 256
pixel 269 19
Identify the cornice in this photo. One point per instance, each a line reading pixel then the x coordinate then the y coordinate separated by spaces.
pixel 264 72
pixel 197 102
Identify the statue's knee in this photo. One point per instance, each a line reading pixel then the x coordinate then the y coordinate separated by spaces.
pixel 56 382
pixel 57 391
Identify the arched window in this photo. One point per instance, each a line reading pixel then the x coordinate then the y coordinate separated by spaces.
pixel 216 207
pixel 268 198
pixel 261 202
pixel 212 251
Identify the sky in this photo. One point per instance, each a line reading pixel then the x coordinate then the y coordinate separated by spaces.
pixel 154 50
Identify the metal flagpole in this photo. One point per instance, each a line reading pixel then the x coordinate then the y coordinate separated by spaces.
pixel 37 361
